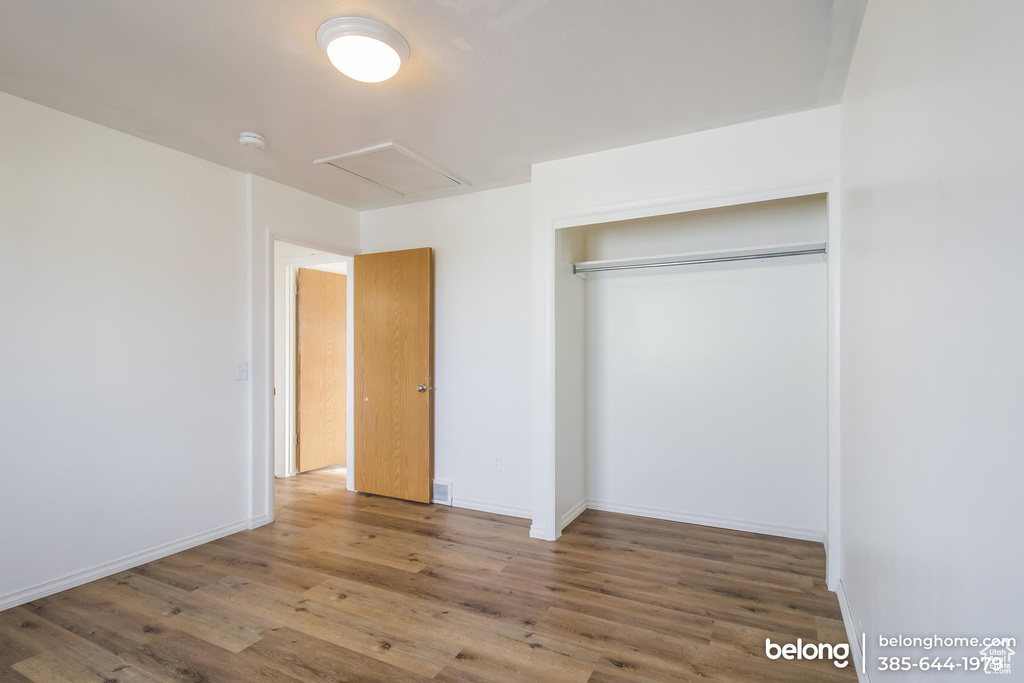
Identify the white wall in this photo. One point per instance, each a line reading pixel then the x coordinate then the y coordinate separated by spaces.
pixel 701 170
pixel 570 384
pixel 706 389
pixel 128 273
pixel 281 212
pixel 123 281
pixel 932 321
pixel 481 247
pixel 706 397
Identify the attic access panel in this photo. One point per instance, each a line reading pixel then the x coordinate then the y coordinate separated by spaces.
pixel 394 168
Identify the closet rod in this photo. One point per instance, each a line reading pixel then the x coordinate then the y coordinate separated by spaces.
pixel 699 261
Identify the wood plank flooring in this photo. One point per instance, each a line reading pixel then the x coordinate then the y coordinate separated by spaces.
pixel 349 587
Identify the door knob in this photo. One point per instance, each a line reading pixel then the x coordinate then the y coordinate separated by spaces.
pixel 421 388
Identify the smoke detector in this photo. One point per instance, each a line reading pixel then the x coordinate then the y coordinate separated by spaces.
pixel 252 140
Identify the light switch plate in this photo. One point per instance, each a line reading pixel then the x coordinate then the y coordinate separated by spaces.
pixel 242 371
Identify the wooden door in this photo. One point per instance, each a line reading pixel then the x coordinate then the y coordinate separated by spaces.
pixel 320 367
pixel 394 340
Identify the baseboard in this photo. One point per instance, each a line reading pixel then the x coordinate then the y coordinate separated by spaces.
pixel 574 512
pixel 100 571
pixel 707 520
pixel 542 534
pixel 259 521
pixel 851 634
pixel 483 506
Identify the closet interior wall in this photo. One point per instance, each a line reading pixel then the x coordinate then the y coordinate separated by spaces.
pixel 696 394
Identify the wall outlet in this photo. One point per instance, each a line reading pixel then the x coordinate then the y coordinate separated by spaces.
pixel 497 464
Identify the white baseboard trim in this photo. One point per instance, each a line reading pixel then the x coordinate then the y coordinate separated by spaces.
pixel 542 534
pixel 852 635
pixel 707 520
pixel 483 506
pixel 574 512
pixel 100 571
pixel 259 521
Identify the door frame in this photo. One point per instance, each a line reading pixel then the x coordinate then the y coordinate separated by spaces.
pixel 291 268
pixel 545 522
pixel 260 254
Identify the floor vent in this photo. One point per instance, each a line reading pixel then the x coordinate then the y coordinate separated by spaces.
pixel 442 492
pixel 395 168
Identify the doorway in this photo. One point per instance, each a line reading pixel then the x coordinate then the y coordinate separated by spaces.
pixel 386 293
pixel 312 362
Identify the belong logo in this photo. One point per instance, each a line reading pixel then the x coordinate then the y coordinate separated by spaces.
pixel 839 654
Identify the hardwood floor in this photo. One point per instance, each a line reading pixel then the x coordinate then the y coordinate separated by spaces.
pixel 348 587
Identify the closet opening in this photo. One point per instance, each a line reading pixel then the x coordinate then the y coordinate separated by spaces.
pixel 692 367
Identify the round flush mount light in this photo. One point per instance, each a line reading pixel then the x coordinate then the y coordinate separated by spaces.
pixel 363 49
pixel 252 140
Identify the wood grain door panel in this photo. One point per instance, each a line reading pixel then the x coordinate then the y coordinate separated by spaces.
pixel 320 369
pixel 394 320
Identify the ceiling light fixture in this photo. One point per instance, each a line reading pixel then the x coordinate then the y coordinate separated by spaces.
pixel 363 49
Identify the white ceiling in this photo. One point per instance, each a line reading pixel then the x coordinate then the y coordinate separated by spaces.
pixel 491 87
